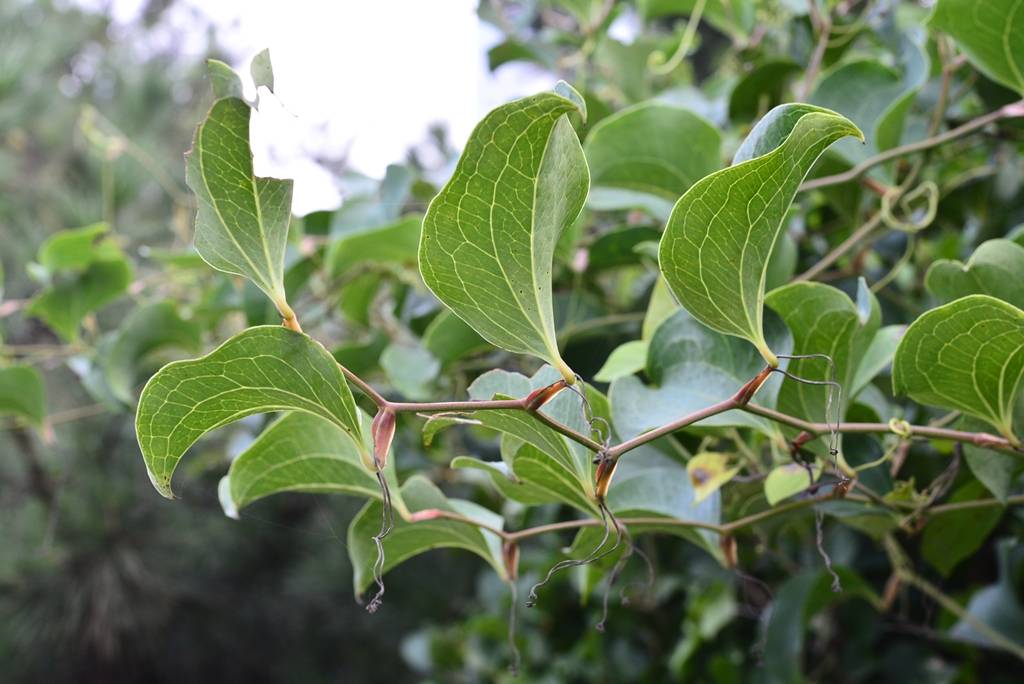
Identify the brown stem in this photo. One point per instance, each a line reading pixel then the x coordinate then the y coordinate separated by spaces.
pixel 845 246
pixel 738 400
pixel 982 439
pixel 1009 111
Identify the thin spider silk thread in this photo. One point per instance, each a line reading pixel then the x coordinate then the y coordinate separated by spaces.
pixel 595 555
pixel 601 431
pixel 387 523
pixel 833 447
pixel 834 388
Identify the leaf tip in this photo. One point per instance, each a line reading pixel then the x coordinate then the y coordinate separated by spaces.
pixel 566 91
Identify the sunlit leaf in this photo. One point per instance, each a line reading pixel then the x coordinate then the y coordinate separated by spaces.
pixel 714 254
pixel 786 480
pixel 489 237
pixel 260 370
pixel 242 221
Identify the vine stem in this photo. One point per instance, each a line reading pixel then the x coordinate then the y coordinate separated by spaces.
pixel 720 528
pixel 1009 111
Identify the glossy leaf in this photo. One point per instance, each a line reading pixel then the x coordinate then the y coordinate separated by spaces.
pixel 407 540
pixel 242 221
pixel 967 356
pixel 489 236
pixel 715 250
pixel 647 155
pixel 260 370
pixel 22 394
pixel 302 452
pixel 989 34
pixel 691 367
pixel 996 269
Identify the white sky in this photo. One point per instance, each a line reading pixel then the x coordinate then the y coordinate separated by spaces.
pixel 366 77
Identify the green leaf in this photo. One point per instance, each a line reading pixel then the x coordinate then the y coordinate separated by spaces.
pixel 824 321
pixel 996 269
pixel 63 305
pixel 951 537
pixel 761 88
pixel 506 482
pixel 75 249
pixel 23 394
pixel 411 539
pixel 262 70
pixel 301 452
pixel 784 481
pixel 145 330
pixel 411 369
pixel 647 155
pixel 242 221
pixel 392 244
pixel 548 460
pixel 989 34
pixel 691 367
pixel 449 338
pixel 715 250
pixel 876 358
pixel 967 356
pixel 626 359
pixel 618 247
pixel 260 370
pixel 490 235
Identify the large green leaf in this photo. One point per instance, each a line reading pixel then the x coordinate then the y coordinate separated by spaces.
pixel 647 155
pixel 715 250
pixel 989 32
pixel 302 452
pixel 996 268
pixel 824 321
pixel 260 370
pixel 875 97
pixel 690 367
pixel 489 237
pixel 22 393
pixel 145 330
pixel 242 221
pixel 411 539
pixel 967 356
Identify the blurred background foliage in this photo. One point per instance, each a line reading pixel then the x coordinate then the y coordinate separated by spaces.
pixel 102 580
